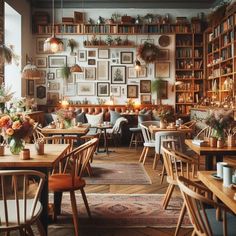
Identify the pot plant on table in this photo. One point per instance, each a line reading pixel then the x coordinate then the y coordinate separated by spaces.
pixel 66 118
pixel 165 114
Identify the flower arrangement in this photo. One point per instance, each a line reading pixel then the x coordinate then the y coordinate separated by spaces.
pixel 165 113
pixel 66 117
pixel 130 104
pixel 220 120
pixel 16 129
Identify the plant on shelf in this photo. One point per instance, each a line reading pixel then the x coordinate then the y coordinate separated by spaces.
pixel 149 17
pixel 72 44
pixel 116 17
pixel 148 52
pixel 118 40
pixel 158 87
pixel 109 40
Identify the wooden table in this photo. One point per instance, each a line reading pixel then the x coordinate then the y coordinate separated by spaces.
pixel 226 195
pixel 211 152
pixel 153 129
pixel 43 163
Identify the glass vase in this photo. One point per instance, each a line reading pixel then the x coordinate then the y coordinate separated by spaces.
pixel 16 145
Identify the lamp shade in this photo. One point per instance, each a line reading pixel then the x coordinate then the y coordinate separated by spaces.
pixel 31 72
pixel 53 45
pixel 76 68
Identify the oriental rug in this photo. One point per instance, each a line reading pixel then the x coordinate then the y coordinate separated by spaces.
pixel 118 174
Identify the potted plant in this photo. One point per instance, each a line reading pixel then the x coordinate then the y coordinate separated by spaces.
pixel 72 44
pixel 157 87
pixel 108 40
pixel 149 17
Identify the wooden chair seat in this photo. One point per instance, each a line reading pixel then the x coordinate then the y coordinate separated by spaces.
pixel 65 182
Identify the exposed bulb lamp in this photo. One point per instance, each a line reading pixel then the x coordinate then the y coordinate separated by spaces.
pixel 53 44
pixel 137 65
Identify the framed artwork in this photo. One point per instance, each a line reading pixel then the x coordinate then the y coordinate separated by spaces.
pixel 41 62
pixel 145 86
pixel 78 76
pixel 70 80
pixel 146 99
pixel 39 45
pixel 57 61
pixel 126 58
pixel 147 41
pixel 163 54
pixel 123 91
pixel 142 73
pixel 30 87
pixel 90 73
pixel 82 55
pixel 103 70
pixel 51 76
pixel 132 73
pixel 69 90
pixel 53 97
pixel 118 74
pixel 59 74
pixel 132 91
pixel 78 17
pixel 92 53
pixel 41 92
pixel 40 81
pixel 162 69
pixel 165 90
pixel 85 89
pixel 54 86
pixel 115 90
pixel 103 89
pixel 91 62
pixel 103 53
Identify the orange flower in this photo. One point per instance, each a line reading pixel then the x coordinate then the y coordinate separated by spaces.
pixel 16 125
pixel 4 120
pixel 9 132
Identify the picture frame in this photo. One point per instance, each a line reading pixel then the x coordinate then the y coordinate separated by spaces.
pixel 91 62
pixel 126 58
pixel 69 90
pixel 92 53
pixel 56 61
pixel 132 91
pixel 52 97
pixel 59 73
pixel 162 69
pixel 145 86
pixel 115 90
pixel 70 80
pixel 54 86
pixel 165 90
pixel 142 72
pixel 82 55
pixel 39 45
pixel 103 89
pixel 102 70
pixel 85 89
pixel 103 53
pixel 78 17
pixel 132 73
pixel 41 92
pixel 51 76
pixel 146 98
pixel 41 62
pixel 163 54
pixel 40 81
pixel 30 87
pixel 90 73
pixel 118 74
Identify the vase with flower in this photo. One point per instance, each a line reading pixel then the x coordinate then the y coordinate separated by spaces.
pixel 16 129
pixel 5 96
pixel 164 114
pixel 66 118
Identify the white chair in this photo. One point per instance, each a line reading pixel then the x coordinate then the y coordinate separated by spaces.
pixel 20 207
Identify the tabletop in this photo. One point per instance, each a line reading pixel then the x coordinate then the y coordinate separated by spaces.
pixel 154 129
pixel 72 130
pixel 52 153
pixel 226 195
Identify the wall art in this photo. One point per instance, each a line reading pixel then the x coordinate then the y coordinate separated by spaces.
pixel 103 70
pixel 126 58
pixel 39 45
pixel 30 87
pixel 142 72
pixel 82 55
pixel 145 86
pixel 51 76
pixel 132 73
pixel 162 69
pixel 41 92
pixel 118 74
pixel 41 62
pixel 115 90
pixel 103 89
pixel 85 89
pixel 132 91
pixel 90 73
pixel 146 99
pixel 103 53
pixel 57 61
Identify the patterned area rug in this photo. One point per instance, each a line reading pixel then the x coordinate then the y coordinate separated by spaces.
pixel 123 210
pixel 118 173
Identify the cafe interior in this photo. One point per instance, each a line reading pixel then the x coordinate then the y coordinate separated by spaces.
pixel 118 117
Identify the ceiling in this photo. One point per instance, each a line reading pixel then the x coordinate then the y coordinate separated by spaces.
pixel 171 4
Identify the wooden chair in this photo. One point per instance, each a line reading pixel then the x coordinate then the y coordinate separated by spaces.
pixel 69 179
pixel 20 208
pixel 190 125
pixel 204 133
pixel 204 220
pixel 37 132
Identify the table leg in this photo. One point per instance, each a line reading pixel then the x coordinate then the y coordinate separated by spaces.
pixel 99 137
pixel 209 162
pixel 57 202
pixel 105 141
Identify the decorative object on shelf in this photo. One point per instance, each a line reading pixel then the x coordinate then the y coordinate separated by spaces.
pixel 100 20
pixel 16 129
pixel 72 44
pixel 213 141
pixel 148 52
pixel 116 17
pixel 220 143
pixel 5 96
pixel 149 18
pixel 108 40
pixel 30 71
pixel 164 40
pixel 53 44
pixel 118 40
pixel 127 19
pixel 90 21
pixel 138 20
pixel 7 55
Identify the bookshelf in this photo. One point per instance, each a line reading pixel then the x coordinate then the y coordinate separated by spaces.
pixel 220 59
pixel 189 71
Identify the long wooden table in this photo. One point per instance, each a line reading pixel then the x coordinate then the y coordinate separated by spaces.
pixel 211 152
pixel 43 163
pixel 226 195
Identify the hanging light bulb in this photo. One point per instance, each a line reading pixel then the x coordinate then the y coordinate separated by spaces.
pixel 53 44
pixel 137 65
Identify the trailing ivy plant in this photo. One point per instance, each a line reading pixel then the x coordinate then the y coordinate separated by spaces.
pixel 158 87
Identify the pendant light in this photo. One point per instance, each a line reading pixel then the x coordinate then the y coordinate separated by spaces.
pixel 53 44
pixel 30 70
pixel 76 69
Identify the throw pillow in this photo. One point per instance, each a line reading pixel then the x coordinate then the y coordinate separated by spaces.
pixel 94 120
pixel 114 115
pixel 80 117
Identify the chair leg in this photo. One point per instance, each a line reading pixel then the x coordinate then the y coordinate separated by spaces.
pixel 145 155
pixel 40 228
pixel 85 202
pixel 142 154
pixel 156 158
pixel 89 169
pixel 136 141
pixel 180 220
pixel 131 140
pixel 75 212
pixel 57 203
pixel 162 174
pixel 29 230
pixel 168 195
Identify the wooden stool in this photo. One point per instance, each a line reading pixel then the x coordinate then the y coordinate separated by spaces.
pixel 136 137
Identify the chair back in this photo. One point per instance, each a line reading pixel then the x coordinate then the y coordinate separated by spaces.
pixel 204 133
pixel 37 132
pixel 195 195
pixel 20 204
pixel 146 133
pixel 116 129
pixel 177 164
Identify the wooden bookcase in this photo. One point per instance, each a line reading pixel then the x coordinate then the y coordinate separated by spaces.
pixel 189 71
pixel 220 59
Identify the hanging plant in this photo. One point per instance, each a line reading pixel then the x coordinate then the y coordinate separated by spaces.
pixel 72 44
pixel 148 52
pixel 65 71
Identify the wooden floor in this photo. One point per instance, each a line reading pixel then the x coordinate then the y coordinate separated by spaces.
pixel 124 154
